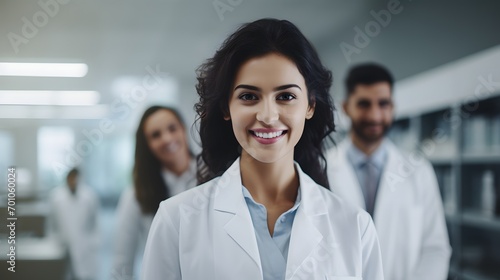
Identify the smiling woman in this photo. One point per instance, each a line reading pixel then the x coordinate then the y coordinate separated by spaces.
pixel 268 106
pixel 264 211
pixel 217 84
pixel 164 166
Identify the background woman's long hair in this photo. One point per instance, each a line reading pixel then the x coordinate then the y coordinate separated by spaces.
pixel 215 81
pixel 150 187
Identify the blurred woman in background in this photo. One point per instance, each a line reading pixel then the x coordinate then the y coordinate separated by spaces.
pixel 164 166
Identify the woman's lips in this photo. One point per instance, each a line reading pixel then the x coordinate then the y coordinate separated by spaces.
pixel 267 136
pixel 171 148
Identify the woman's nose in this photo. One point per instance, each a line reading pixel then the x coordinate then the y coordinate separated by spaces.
pixel 166 137
pixel 268 113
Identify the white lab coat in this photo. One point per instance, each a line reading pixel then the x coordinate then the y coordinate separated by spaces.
pixel 133 225
pixel 408 213
pixel 73 220
pixel 131 231
pixel 207 233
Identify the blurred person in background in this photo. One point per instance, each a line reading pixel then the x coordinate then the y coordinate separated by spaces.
pixel 401 194
pixel 164 166
pixel 73 221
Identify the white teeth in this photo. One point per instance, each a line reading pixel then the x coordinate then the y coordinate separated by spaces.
pixel 268 135
pixel 172 148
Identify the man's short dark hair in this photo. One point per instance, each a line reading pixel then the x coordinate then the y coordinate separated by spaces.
pixel 367 74
pixel 73 172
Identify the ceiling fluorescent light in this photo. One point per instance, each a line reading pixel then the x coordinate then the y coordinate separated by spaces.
pixel 46 97
pixel 72 70
pixel 51 112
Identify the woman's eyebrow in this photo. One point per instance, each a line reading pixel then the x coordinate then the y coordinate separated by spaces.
pixel 283 87
pixel 247 87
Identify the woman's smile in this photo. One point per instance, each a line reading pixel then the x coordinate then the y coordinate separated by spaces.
pixel 268 107
pixel 267 136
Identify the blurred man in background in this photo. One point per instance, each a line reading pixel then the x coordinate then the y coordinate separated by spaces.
pixel 402 195
pixel 73 221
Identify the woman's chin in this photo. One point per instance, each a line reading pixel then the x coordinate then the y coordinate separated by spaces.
pixel 266 157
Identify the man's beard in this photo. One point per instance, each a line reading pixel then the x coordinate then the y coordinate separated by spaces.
pixel 359 130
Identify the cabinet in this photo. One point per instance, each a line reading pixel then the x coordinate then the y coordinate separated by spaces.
pixel 463 144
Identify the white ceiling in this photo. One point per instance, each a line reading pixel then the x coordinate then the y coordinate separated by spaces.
pixel 120 38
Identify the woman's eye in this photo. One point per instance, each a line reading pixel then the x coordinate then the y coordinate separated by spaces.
pixel 155 135
pixel 286 96
pixel 172 128
pixel 247 96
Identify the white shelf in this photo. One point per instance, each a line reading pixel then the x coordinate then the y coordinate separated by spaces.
pixel 479 220
pixel 449 160
pixel 483 157
pixel 469 274
pixel 448 84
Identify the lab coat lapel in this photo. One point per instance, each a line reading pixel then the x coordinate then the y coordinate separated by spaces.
pixel 388 192
pixel 397 219
pixel 341 175
pixel 232 210
pixel 306 230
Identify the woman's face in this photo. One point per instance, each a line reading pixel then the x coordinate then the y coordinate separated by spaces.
pixel 268 107
pixel 166 137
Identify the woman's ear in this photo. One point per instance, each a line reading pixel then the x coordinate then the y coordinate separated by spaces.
pixel 225 114
pixel 310 111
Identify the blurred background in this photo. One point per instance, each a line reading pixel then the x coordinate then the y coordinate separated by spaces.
pixel 105 62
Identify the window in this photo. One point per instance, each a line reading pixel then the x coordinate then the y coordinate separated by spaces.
pixel 7 152
pixel 55 156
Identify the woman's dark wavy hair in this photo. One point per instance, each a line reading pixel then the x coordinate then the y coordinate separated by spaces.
pixel 215 81
pixel 150 188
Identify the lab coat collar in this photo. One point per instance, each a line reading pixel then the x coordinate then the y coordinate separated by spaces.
pixel 229 200
pixel 386 194
pixel 171 178
pixel 342 177
pixel 313 203
pixel 395 164
pixel 306 230
pixel 386 191
pixel 359 158
pixel 229 197
pixel 67 192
